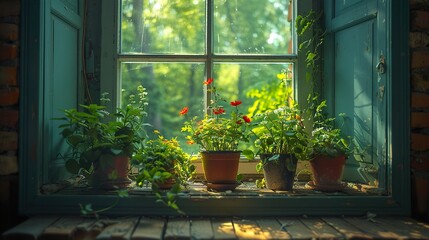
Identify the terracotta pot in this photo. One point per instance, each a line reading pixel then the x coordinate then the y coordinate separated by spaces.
pixel 168 184
pixel 111 172
pixel 220 167
pixel 328 171
pixel 279 175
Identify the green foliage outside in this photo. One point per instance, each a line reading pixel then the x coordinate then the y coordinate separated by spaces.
pixel 165 27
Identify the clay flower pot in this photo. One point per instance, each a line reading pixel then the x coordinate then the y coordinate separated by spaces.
pixel 220 167
pixel 111 172
pixel 327 172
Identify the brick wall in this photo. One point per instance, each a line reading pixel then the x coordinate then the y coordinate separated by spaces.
pixel 419 51
pixel 9 86
pixel 9 111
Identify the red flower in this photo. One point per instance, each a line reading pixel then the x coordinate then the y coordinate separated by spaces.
pixel 246 119
pixel 184 111
pixel 190 142
pixel 208 82
pixel 236 103
pixel 218 111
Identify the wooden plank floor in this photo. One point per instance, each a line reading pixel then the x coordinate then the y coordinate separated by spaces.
pixel 73 227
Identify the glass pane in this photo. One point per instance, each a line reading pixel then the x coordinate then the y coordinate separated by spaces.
pixel 259 86
pixel 170 87
pixel 163 26
pixel 253 27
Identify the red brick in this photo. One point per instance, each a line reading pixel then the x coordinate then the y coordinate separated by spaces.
pixel 420 59
pixel 420 194
pixel 420 82
pixel 8 164
pixel 8 141
pixel 9 8
pixel 419 142
pixel 9 96
pixel 419 120
pixel 420 162
pixel 8 76
pixel 419 100
pixel 9 31
pixel 418 4
pixel 419 20
pixel 8 51
pixel 9 118
pixel 419 39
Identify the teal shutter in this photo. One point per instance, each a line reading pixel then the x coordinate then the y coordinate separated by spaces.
pixel 355 42
pixel 62 73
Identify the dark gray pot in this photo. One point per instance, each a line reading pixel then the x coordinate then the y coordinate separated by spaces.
pixel 280 174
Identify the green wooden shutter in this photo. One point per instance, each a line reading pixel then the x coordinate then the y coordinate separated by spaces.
pixel 62 73
pixel 356 39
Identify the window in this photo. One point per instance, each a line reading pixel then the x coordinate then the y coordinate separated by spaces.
pixel 171 47
pixel 41 96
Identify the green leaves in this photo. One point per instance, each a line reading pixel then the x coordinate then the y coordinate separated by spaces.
pixel 326 138
pixel 249 154
pixel 72 166
pixel 162 161
pixel 280 131
pixel 123 193
pixel 94 131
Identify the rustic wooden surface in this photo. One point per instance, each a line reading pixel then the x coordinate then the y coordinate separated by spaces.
pixel 137 228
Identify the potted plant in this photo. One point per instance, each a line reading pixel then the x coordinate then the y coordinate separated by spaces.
pixel 280 141
pixel 328 151
pixel 164 166
pixel 101 142
pixel 218 136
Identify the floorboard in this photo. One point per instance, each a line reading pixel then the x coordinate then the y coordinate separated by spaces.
pixel 178 228
pixel 321 229
pixel 149 228
pixel 139 228
pixel 296 228
pixel 201 228
pixel 248 229
pixel 223 229
pixel 272 229
pixel 347 229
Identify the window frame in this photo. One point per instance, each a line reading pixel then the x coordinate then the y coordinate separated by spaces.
pixel 32 161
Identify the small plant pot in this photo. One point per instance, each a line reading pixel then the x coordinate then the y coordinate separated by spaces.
pixel 166 185
pixel 327 172
pixel 111 172
pixel 220 167
pixel 280 174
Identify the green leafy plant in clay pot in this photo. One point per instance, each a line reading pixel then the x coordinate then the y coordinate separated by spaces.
pixel 101 143
pixel 280 141
pixel 218 134
pixel 165 167
pixel 328 151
